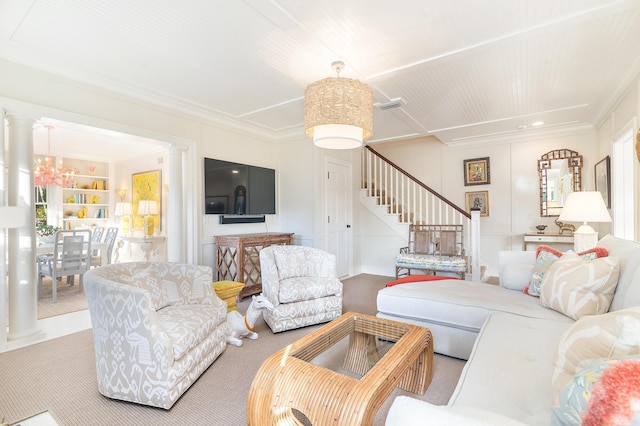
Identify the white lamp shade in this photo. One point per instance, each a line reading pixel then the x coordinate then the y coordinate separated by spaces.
pixel 337 136
pixel 147 207
pixel 12 217
pixel 585 206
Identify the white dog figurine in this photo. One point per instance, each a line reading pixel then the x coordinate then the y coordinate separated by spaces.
pixel 242 326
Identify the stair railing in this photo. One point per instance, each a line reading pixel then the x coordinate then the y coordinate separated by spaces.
pixel 416 203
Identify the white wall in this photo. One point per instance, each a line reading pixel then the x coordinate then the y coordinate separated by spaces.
pixel 37 94
pixel 623 116
pixel 514 207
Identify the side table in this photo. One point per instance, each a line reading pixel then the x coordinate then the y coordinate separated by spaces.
pixel 547 239
pixel 228 291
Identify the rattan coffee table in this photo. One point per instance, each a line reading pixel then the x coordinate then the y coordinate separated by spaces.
pixel 292 387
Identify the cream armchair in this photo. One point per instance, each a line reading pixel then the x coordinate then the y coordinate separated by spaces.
pixel 156 327
pixel 302 285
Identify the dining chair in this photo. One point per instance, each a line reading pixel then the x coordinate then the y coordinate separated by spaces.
pixel 109 240
pixel 71 256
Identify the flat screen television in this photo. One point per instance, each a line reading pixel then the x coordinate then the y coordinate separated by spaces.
pixel 234 188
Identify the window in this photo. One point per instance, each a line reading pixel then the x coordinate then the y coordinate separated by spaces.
pixel 623 198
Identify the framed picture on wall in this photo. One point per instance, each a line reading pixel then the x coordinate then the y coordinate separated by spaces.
pixel 602 173
pixel 477 171
pixel 477 199
pixel 146 186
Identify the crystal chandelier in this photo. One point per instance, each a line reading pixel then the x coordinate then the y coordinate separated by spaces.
pixel 338 111
pixel 47 174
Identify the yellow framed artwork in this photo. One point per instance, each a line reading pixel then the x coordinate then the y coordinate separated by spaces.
pixel 477 171
pixel 146 187
pixel 477 200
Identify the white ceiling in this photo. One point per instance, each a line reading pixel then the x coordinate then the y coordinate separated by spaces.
pixel 467 69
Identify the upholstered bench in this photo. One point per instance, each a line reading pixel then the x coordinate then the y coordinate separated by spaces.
pixel 426 262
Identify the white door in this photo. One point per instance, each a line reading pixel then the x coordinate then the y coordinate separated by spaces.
pixel 338 202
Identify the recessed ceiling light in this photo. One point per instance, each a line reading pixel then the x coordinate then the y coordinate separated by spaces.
pixel 537 123
pixel 521 126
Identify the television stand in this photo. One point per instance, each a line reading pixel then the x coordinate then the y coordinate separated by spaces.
pixel 238 257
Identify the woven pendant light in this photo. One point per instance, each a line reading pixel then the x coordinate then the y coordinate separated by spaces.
pixel 338 112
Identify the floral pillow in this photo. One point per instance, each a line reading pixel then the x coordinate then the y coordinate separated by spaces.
pixel 547 256
pixel 575 396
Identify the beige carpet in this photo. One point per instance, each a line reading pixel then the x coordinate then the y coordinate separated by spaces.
pixel 69 299
pixel 59 375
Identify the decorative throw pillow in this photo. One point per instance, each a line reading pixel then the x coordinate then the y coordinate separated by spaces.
pixel 291 262
pixel 547 256
pixel 575 397
pixel 615 398
pixel 578 287
pixel 612 335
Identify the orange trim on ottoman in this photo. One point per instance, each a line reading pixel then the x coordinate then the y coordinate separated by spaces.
pixel 415 278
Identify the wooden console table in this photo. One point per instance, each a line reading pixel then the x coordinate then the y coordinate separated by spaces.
pixel 238 257
pixel 546 239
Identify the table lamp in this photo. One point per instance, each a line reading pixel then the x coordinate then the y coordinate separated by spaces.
pixel 124 210
pixel 584 206
pixel 147 208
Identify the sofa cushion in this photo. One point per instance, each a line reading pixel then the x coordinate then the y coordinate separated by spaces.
pixel 407 411
pixel 509 369
pixel 578 287
pixel 628 254
pixel 291 262
pixel 615 334
pixel 188 325
pixel 307 288
pixel 516 276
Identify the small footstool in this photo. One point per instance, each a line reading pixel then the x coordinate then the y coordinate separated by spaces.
pixel 228 291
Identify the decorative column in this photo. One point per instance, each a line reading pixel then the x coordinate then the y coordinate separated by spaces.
pixel 175 212
pixel 23 303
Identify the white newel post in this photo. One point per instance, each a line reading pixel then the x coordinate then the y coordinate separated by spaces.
pixel 23 303
pixel 175 212
pixel 475 245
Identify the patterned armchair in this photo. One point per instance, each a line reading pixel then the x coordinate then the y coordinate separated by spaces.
pixel 156 327
pixel 302 285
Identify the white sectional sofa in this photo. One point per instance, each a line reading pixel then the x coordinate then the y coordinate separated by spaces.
pixel 520 354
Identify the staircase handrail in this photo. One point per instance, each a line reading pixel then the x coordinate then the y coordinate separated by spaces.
pixel 419 183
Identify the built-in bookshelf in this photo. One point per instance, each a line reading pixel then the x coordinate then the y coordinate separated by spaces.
pixel 87 201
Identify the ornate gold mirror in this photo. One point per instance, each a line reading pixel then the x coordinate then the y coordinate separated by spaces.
pixel 560 174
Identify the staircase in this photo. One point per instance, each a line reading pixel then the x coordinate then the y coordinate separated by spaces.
pixel 399 199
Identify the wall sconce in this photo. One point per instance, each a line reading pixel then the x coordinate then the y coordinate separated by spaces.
pixel 122 192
